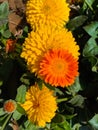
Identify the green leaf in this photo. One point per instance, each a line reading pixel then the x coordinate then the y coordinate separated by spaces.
pixel 94 63
pixel 2 112
pixel 58 118
pixel 65 125
pixel 49 86
pixel 76 22
pixel 94 121
pixel 57 90
pixel 95 68
pixel 20 109
pixel 6 34
pixel 76 127
pixel 3 21
pixel 25 29
pixel 4 10
pixel 24 79
pixel 76 87
pixel 77 101
pixel 30 126
pixel 88 3
pixel 59 123
pixel 91 48
pixel 56 127
pixel 70 116
pixel 92 29
pixel 21 92
pixel 3 27
pixel 16 115
pixel 40 83
pixel 3 117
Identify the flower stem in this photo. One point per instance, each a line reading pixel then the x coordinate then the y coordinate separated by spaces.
pixel 5 123
pixel 62 100
pixel 89 5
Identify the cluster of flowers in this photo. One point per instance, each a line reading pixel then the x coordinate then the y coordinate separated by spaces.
pixel 50 52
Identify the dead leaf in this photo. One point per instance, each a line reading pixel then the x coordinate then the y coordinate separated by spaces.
pixel 14 125
pixel 12 4
pixel 14 21
pixel 16 16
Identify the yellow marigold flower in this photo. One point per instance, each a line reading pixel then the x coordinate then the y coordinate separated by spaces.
pixel 47 12
pixel 58 68
pixel 40 105
pixel 9 106
pixel 39 42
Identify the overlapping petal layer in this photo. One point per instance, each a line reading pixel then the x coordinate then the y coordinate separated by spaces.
pixel 40 42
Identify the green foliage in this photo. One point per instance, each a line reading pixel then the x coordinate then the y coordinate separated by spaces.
pixel 76 22
pixel 49 86
pixel 92 29
pixel 2 112
pixel 20 109
pixel 88 3
pixel 40 83
pixel 4 30
pixel 24 79
pixel 77 103
pixel 91 47
pixel 60 123
pixel 16 115
pixel 21 92
pixel 4 10
pixel 75 88
pixel 6 33
pixel 76 127
pixel 29 126
pixel 94 122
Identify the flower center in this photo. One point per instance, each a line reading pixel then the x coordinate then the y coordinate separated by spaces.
pixel 48 7
pixel 36 105
pixel 58 66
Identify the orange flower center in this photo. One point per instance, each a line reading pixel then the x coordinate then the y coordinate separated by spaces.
pixel 36 105
pixel 58 66
pixel 48 7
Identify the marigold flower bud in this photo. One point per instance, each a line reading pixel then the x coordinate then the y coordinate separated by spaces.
pixel 9 106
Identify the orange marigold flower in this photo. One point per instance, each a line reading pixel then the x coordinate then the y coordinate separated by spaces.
pixel 9 106
pixel 40 42
pixel 10 45
pixel 58 68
